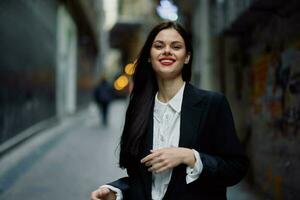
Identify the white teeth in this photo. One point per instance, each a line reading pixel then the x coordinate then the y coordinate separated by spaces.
pixel 167 61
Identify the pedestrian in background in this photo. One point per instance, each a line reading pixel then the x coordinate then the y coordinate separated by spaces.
pixel 178 142
pixel 103 95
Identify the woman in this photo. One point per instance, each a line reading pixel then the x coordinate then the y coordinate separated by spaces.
pixel 178 142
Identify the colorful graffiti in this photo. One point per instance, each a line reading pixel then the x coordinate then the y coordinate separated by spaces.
pixel 289 76
pixel 276 89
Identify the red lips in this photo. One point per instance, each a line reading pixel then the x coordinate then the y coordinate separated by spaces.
pixel 167 61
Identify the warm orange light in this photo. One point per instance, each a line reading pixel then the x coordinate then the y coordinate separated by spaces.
pixel 116 86
pixel 121 82
pixel 129 69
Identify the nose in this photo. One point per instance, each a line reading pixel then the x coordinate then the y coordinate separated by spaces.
pixel 167 50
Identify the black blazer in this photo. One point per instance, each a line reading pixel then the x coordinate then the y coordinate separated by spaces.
pixel 208 127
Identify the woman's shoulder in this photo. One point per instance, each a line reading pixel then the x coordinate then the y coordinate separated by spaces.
pixel 205 93
pixel 214 99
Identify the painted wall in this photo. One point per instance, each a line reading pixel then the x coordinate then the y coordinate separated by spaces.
pixel 262 81
pixel 275 107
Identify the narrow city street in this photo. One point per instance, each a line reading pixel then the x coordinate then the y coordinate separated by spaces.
pixel 71 160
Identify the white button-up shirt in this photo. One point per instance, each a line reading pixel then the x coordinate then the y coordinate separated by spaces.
pixel 166 133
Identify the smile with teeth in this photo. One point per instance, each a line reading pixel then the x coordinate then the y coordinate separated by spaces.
pixel 167 61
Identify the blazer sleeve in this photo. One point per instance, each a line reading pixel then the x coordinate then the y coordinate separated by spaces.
pixel 123 184
pixel 227 164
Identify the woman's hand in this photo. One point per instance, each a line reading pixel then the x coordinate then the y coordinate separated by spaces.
pixel 167 158
pixel 103 193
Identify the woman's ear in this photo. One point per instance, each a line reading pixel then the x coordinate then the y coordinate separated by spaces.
pixel 187 58
pixel 149 61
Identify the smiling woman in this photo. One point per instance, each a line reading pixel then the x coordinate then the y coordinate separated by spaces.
pixel 168 54
pixel 178 142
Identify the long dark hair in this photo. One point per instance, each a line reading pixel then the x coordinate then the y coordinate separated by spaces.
pixel 143 93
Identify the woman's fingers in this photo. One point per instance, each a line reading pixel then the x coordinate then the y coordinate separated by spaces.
pixel 158 167
pixel 100 193
pixel 162 169
pixel 150 157
pixel 163 159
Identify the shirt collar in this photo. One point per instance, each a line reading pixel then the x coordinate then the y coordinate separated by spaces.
pixel 175 102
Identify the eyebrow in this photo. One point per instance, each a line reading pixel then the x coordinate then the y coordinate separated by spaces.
pixel 160 41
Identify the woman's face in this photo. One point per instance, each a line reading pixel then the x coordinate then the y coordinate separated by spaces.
pixel 168 54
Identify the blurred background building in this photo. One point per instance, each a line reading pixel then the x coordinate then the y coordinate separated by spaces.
pixel 49 51
pixel 53 52
pixel 250 51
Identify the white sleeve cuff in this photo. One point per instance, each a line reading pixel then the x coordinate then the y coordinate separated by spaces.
pixel 118 192
pixel 193 174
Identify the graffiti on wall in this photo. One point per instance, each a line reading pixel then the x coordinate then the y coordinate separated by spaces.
pixel 289 76
pixel 276 90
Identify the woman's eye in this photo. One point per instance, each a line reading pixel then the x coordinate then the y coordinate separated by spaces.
pixel 158 46
pixel 177 47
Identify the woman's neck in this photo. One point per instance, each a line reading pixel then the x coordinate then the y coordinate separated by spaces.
pixel 167 89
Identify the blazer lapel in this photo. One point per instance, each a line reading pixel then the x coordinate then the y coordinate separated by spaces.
pixel 192 112
pixel 147 176
pixel 192 115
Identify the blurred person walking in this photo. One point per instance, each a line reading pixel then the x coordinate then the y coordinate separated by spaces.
pixel 178 142
pixel 103 95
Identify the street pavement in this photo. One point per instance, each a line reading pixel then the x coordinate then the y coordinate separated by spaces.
pixel 72 159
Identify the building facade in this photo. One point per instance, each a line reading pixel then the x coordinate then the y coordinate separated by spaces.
pixel 49 53
pixel 250 51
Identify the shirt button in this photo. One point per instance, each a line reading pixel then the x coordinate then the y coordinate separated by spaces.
pixel 167 117
pixel 161 138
